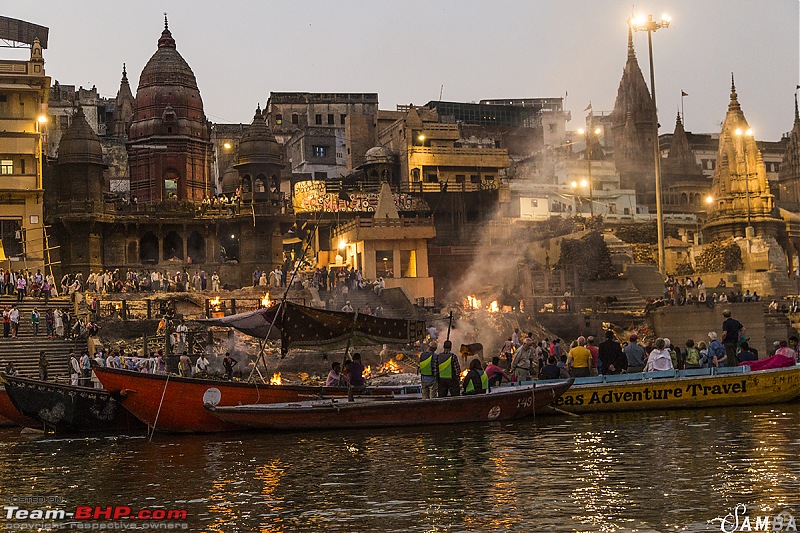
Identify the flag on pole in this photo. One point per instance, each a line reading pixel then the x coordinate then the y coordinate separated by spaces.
pixel 588 107
pixel 684 93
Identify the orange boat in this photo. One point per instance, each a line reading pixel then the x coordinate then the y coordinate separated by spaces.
pixel 175 404
pixel 10 416
pixel 502 403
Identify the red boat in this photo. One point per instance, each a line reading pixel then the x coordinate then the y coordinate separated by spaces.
pixel 503 403
pixel 175 404
pixel 10 416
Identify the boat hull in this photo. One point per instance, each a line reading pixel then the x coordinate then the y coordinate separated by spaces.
pixel 181 410
pixel 65 409
pixel 506 403
pixel 684 392
pixel 10 415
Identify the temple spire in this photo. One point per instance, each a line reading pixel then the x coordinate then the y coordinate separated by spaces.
pixel 166 22
pixel 734 105
pixel 124 74
pixel 631 51
pixel 796 112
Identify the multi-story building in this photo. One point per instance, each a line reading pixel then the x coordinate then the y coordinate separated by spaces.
pixel 24 89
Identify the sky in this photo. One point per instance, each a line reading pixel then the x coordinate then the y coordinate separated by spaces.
pixel 411 50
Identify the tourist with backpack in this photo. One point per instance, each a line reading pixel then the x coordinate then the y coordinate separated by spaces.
pixel 691 355
pixel 716 352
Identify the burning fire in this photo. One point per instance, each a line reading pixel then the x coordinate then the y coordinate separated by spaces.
pixel 367 373
pixel 389 367
pixel 473 302
pixel 214 302
pixel 265 301
pixel 493 307
pixel 275 379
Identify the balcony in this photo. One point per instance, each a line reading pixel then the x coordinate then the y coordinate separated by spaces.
pixel 360 229
pixel 458 157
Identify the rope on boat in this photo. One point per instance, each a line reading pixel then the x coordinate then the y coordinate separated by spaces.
pixel 163 393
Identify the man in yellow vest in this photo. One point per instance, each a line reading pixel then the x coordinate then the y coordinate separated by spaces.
pixel 427 371
pixel 447 372
pixel 476 381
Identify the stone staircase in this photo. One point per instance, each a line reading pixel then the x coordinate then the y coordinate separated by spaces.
pixel 24 350
pixel 360 299
pixel 628 298
pixel 647 280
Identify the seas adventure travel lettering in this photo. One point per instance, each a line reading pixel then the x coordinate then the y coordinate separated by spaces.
pixel 692 390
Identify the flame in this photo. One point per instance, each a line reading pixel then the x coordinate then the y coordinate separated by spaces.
pixel 214 302
pixel 275 379
pixel 493 307
pixel 367 373
pixel 473 302
pixel 389 367
pixel 265 301
pixel 464 373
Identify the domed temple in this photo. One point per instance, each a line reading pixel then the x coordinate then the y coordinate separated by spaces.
pixel 169 223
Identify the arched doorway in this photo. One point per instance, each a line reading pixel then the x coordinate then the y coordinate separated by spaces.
pixel 228 243
pixel 173 247
pixel 132 255
pixel 196 247
pixel 148 249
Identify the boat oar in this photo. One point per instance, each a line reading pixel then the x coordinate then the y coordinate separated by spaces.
pixel 563 412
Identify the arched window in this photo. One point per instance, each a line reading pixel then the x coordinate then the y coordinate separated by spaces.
pixel 148 249
pixel 196 247
pixel 173 246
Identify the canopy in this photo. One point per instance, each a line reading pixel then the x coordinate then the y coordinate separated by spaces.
pixel 299 326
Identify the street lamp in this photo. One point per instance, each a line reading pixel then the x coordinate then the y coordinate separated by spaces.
pixel 640 23
pixel 742 136
pixel 588 157
pixel 575 185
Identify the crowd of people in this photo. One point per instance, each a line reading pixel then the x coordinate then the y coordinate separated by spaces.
pixel 693 292
pixel 524 359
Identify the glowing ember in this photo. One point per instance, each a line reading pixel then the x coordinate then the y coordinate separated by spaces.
pixel 473 302
pixel 265 301
pixel 389 367
pixel 275 379
pixel 493 307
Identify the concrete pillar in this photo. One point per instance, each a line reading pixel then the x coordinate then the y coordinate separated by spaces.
pixel 396 261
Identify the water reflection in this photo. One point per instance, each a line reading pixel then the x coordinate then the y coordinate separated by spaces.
pixel 653 471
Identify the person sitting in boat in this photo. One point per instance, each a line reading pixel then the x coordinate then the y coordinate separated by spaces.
pixel 476 381
pixel 335 375
pixel 550 369
pixel 356 372
pixel 785 350
pixel 496 374
pixel 659 358
pixel 746 354
pixel 691 355
pixel 229 362
pixel 612 358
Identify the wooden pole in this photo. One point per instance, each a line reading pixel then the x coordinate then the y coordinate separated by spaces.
pixel 449 325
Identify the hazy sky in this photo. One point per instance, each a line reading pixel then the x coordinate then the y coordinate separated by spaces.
pixel 406 50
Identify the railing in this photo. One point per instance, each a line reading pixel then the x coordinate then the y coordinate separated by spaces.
pixel 217 308
pixel 466 186
pixel 276 205
pixel 401 222
pixel 448 150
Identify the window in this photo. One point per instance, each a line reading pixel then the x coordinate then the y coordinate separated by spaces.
pixel 431 178
pixel 489 177
pixel 330 118
pixel 475 178
pixel 460 178
pixel 22 166
pixel 342 117
pixel 318 119
pixel 534 202
pixel 6 166
pixel 63 121
pixel 384 263
pixel 497 144
pixel 320 151
pixel 3 98
pixel 295 118
pixel 278 119
pixel 320 175
pixel 553 128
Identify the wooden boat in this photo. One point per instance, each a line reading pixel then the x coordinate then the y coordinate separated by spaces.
pixel 175 404
pixel 681 389
pixel 60 408
pixel 503 403
pixel 10 415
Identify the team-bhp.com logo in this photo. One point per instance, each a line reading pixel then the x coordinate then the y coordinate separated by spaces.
pixel 96 512
pixel 739 520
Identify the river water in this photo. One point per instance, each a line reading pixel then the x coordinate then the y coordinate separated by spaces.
pixel 655 471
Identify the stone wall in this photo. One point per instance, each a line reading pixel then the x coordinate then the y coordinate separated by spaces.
pixel 689 322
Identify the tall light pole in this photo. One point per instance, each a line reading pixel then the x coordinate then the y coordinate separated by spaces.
pixel 587 156
pixel 749 231
pixel 649 25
